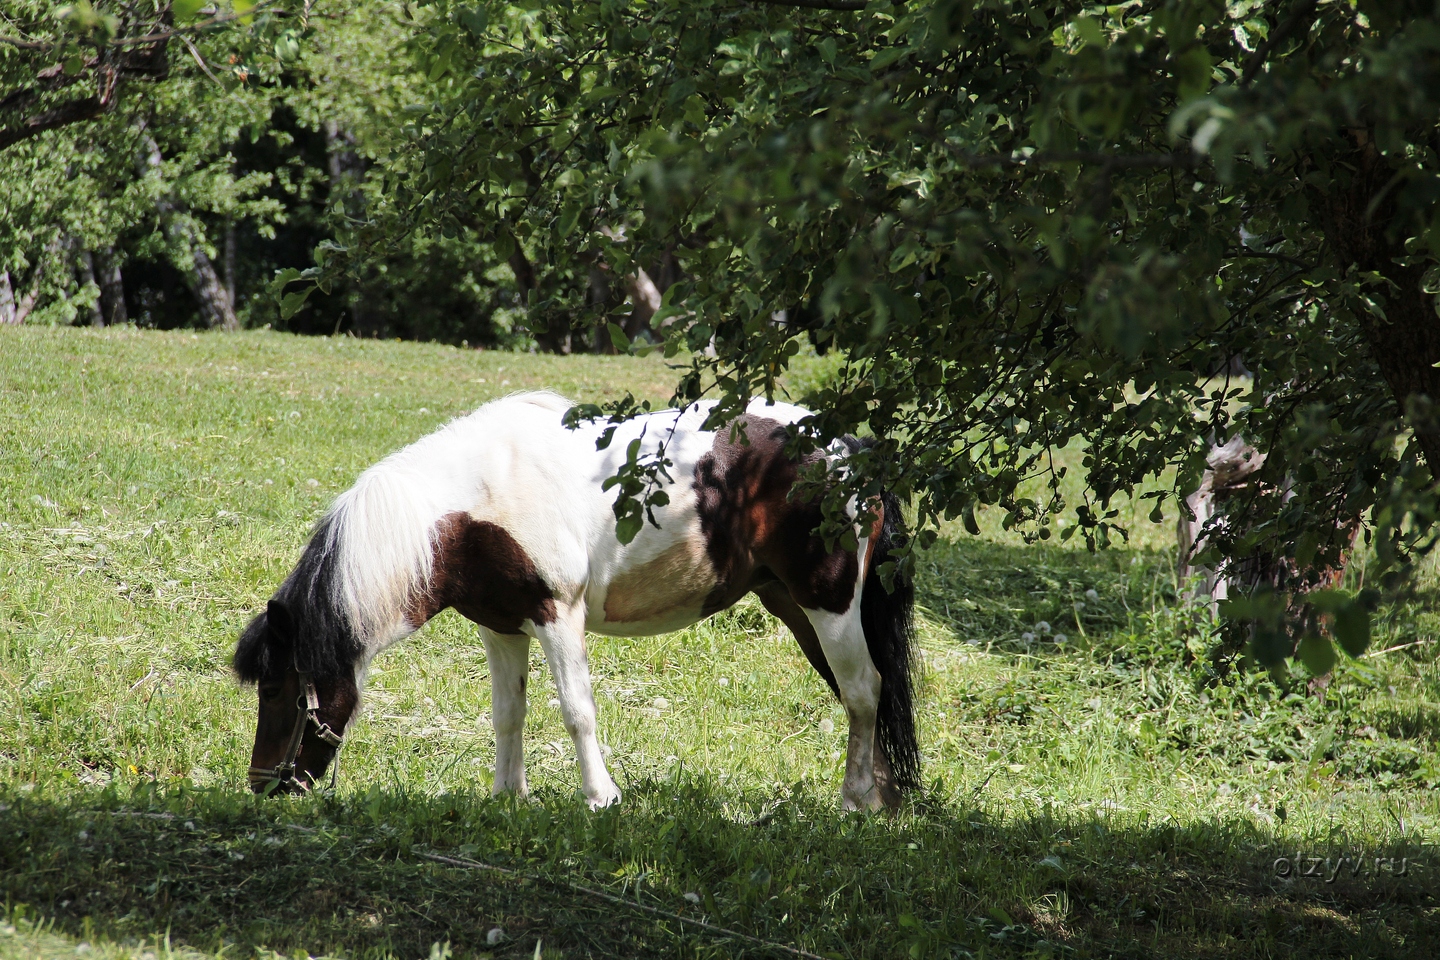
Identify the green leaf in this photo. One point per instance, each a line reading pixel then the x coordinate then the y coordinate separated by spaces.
pixel 569 219
pixel 73 65
pixel 291 303
pixel 1270 645
pixel 474 20
pixel 968 515
pixel 1317 654
pixel 888 56
pixel 185 9
pixel 1192 70
pixel 1089 32
pixel 618 338
pixel 628 527
pixel 1352 628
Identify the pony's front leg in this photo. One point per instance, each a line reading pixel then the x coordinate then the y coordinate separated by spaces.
pixel 843 639
pixel 564 643
pixel 509 660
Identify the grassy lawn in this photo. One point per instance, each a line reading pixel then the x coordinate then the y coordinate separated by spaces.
pixel 1103 796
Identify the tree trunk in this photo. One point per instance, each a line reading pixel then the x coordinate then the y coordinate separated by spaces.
pixel 27 300
pixel 86 262
pixel 112 288
pixel 206 285
pixel 228 261
pixel 550 340
pixel 598 294
pixel 204 280
pixel 1359 220
pixel 346 168
pixel 7 299
pixel 645 300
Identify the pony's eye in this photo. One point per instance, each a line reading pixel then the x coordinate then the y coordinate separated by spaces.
pixel 269 693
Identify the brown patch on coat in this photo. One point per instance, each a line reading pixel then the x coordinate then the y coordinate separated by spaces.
pixel 754 532
pixel 681 577
pixel 778 601
pixel 481 571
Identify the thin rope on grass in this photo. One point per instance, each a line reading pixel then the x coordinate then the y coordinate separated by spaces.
pixel 469 864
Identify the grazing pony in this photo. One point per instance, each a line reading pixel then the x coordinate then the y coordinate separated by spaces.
pixel 503 515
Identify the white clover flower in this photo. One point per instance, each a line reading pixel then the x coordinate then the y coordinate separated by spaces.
pixel 554 701
pixel 1043 627
pixel 495 935
pixel 1092 594
pixel 312 482
pixel 1027 637
pixel 723 682
pixel 1079 604
pixel 1059 638
pixel 661 703
pixel 693 897
pixel 827 726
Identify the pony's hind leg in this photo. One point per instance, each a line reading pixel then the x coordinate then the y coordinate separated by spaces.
pixel 509 660
pixel 843 639
pixel 778 601
pixel 563 640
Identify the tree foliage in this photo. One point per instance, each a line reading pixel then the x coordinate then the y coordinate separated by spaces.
pixel 245 138
pixel 1026 226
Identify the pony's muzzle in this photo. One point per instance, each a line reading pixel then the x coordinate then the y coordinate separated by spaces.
pixel 270 782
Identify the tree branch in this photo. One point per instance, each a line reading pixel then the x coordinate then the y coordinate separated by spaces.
pixel 73 111
pixel 1301 16
pixel 816 4
pixel 1282 257
pixel 1109 161
pixel 108 69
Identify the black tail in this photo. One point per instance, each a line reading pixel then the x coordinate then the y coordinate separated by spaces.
pixel 888 619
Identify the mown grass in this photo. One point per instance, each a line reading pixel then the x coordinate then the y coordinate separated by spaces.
pixel 1110 795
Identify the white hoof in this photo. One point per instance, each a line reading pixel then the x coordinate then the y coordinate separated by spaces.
pixel 603 798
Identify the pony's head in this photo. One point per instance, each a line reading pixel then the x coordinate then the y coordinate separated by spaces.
pixel 302 716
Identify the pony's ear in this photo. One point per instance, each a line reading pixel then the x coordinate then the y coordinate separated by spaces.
pixel 280 623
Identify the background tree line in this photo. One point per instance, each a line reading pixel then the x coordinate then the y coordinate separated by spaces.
pixel 164 182
pixel 1025 225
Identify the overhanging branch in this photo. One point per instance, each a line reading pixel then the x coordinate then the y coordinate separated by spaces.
pixel 73 111
pixel 1109 161
pixel 816 4
pixel 1301 16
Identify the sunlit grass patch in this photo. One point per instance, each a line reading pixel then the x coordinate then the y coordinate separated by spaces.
pixel 1109 793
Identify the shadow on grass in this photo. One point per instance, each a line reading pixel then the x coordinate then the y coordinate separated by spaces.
pixel 343 876
pixel 1021 599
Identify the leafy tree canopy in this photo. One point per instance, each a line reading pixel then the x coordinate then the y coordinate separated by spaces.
pixel 159 161
pixel 1025 225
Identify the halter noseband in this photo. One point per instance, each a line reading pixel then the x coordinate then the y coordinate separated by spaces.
pixel 308 707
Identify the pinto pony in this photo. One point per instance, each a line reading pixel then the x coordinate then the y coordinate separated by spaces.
pixel 503 516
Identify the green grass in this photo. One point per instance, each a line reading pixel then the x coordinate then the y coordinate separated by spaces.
pixel 1108 796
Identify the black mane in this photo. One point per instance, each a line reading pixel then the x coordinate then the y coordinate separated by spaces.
pixel 303 625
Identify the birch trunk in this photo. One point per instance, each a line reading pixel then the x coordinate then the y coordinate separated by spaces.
pixel 7 299
pixel 204 280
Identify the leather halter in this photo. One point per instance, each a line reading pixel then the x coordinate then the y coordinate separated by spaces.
pixel 308 709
